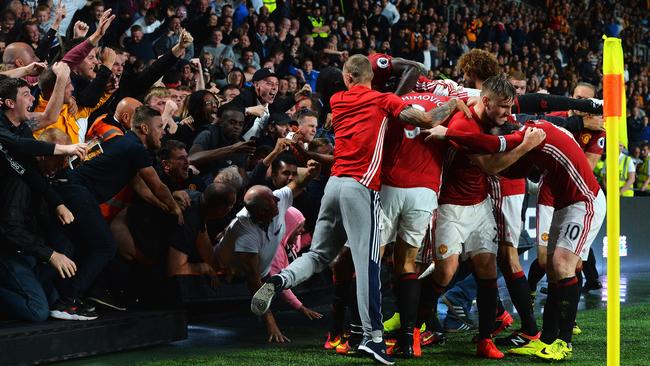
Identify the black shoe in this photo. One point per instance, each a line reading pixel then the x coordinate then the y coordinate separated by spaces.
pixel 544 290
pixel 262 299
pixel 105 297
pixel 588 286
pixel 74 309
pixel 404 346
pixel 377 350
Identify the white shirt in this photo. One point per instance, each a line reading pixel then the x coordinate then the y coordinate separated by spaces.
pixel 391 13
pixel 146 29
pixel 245 236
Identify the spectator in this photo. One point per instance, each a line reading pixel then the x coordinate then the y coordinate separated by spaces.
pixel 295 240
pixel 95 182
pixel 253 237
pixel 218 145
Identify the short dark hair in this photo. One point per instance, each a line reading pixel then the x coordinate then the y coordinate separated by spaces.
pixel 216 194
pixel 228 87
pixel 9 89
pixel 229 108
pixel 286 158
pixel 143 114
pixel 165 151
pixel 46 82
pixel 499 86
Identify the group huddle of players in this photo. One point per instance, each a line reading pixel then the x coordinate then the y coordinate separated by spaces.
pixel 453 194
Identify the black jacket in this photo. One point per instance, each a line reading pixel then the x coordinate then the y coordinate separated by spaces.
pixel 23 219
pixel 248 98
pixel 18 149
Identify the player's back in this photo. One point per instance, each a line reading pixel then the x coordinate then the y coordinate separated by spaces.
pixel 360 118
pixel 567 170
pixel 409 161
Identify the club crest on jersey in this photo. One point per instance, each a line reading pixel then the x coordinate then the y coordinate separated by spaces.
pixel 545 236
pixel 442 249
pixel 585 138
pixel 411 134
pixel 382 62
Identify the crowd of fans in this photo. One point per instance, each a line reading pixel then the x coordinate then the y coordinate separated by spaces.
pixel 234 86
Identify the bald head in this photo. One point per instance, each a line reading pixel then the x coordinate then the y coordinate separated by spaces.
pixel 18 54
pixel 125 110
pixel 261 204
pixel 257 196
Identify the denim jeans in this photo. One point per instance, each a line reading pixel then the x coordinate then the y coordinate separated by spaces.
pixel 462 293
pixel 21 294
pixel 91 237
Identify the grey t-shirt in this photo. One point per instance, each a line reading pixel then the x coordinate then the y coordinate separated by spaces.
pixel 247 237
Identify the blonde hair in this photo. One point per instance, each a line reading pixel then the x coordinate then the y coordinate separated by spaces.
pixel 359 68
pixel 156 92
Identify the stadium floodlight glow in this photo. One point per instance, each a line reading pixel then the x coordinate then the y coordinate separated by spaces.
pixel 614 113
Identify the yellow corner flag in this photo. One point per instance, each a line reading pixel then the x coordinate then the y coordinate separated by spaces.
pixel 614 113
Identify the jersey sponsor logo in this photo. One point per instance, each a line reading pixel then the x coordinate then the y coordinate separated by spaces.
pixel 585 138
pixel 382 63
pixel 442 249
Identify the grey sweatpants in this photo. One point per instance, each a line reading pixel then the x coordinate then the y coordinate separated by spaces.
pixel 349 212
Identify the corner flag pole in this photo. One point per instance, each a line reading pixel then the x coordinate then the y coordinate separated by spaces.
pixel 614 113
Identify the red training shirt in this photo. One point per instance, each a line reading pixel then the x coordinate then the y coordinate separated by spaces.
pixel 360 118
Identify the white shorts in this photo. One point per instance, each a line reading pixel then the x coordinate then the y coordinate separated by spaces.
pixel 544 218
pixel 426 252
pixel 575 227
pixel 408 213
pixel 467 230
pixel 507 213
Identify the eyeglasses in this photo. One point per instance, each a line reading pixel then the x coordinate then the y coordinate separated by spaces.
pixel 212 103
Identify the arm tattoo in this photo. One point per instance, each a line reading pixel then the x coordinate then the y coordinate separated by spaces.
pixel 429 119
pixel 414 117
pixel 440 114
pixel 32 123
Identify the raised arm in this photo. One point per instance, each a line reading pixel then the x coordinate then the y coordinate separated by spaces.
pixel 410 71
pixel 298 186
pixel 435 116
pixel 54 105
pixel 538 103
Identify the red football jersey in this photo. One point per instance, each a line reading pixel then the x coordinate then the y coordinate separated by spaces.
pixel 360 117
pixel 567 171
pixel 464 182
pixel 381 68
pixel 590 141
pixel 409 161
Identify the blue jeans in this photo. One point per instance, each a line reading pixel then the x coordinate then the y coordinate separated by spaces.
pixel 21 294
pixel 462 293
